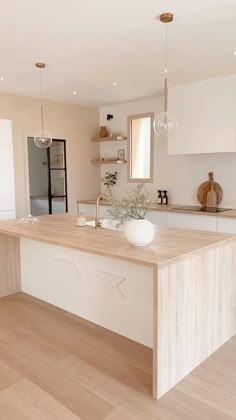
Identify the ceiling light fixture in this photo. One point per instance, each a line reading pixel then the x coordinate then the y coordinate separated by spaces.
pixel 42 138
pixel 74 93
pixel 114 83
pixel 165 123
pixel 234 53
pixel 2 78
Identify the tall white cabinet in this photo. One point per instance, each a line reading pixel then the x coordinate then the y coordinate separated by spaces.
pixel 7 183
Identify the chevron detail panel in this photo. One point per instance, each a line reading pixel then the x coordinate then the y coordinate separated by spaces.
pixel 71 268
pixel 113 282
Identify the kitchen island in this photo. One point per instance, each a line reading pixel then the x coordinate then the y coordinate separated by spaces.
pixel 178 295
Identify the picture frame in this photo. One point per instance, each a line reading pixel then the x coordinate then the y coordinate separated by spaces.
pixel 121 154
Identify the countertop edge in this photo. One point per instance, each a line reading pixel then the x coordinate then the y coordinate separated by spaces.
pixel 199 251
pixel 81 248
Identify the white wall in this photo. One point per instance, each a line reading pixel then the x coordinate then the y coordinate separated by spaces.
pixel 75 123
pixel 180 175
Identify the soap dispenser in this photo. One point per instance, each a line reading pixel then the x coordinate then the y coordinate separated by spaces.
pixel 159 197
pixel 81 221
pixel 165 198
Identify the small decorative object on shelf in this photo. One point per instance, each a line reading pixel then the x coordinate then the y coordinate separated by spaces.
pixel 109 180
pixel 109 117
pixel 103 132
pixel 121 154
pixel 132 210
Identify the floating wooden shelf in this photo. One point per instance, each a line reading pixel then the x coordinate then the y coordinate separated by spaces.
pixel 115 138
pixel 113 161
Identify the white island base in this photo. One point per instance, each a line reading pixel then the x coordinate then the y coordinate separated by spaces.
pixel 113 294
pixel 182 306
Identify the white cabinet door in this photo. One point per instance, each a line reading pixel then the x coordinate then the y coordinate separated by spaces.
pixel 192 221
pixel 103 212
pixel 157 217
pixel 7 187
pixel 7 215
pixel 90 210
pixel 87 209
pixel 162 218
pixel 5 133
pixel 226 225
pixel 7 182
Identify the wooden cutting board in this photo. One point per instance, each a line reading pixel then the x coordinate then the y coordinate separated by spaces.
pixel 209 192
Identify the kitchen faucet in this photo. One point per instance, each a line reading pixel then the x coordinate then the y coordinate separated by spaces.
pixel 98 221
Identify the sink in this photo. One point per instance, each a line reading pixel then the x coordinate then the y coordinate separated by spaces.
pixel 108 224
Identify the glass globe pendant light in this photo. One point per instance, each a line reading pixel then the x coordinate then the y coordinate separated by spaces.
pixel 165 123
pixel 42 138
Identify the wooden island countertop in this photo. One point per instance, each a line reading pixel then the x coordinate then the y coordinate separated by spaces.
pixel 170 245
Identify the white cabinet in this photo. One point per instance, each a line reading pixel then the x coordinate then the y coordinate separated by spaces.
pixel 7 215
pixel 90 210
pixel 7 200
pixel 192 221
pixel 111 293
pixel 5 133
pixel 175 219
pixel 157 217
pixel 226 225
pixel 206 113
pixel 7 184
pixel 87 209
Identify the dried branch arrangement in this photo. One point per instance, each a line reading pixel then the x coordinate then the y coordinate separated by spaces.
pixel 133 207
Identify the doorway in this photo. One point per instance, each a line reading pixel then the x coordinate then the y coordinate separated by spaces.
pixel 47 178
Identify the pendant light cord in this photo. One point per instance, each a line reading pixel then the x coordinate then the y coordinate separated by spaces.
pixel 166 71
pixel 166 52
pixel 40 84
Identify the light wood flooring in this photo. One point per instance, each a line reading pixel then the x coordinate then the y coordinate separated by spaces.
pixel 54 365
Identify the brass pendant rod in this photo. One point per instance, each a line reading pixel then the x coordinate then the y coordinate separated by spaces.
pixel 166 52
pixel 166 95
pixel 166 18
pixel 41 66
pixel 42 117
pixel 41 97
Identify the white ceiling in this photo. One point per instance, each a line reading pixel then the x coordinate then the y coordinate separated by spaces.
pixel 88 44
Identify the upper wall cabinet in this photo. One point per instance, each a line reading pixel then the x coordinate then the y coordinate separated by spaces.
pixel 5 133
pixel 7 187
pixel 206 112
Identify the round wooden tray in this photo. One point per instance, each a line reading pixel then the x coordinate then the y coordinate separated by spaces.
pixel 205 188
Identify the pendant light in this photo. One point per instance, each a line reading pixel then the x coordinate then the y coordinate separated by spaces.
pixel 164 122
pixel 42 138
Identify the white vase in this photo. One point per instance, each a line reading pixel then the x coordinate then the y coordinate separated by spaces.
pixel 139 232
